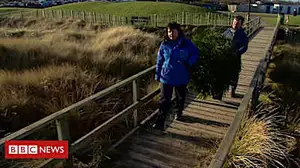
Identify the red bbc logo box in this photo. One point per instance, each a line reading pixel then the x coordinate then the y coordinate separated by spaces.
pixel 21 149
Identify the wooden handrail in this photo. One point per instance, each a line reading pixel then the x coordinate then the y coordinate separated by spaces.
pixel 221 155
pixel 253 23
pixel 61 113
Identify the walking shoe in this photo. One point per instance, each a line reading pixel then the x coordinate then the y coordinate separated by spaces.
pixel 233 95
pixel 178 117
pixel 161 127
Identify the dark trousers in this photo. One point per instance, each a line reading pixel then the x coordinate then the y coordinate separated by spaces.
pixel 234 81
pixel 165 100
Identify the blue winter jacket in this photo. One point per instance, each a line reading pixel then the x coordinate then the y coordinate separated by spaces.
pixel 239 39
pixel 173 61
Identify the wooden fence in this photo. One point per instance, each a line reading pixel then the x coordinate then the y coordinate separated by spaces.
pixel 249 101
pixel 156 20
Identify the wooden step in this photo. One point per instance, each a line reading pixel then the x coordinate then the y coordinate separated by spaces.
pixel 146 159
pixel 220 111
pixel 170 140
pixel 159 154
pixel 212 106
pixel 207 116
pixel 205 128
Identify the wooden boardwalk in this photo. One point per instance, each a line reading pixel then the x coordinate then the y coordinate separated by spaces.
pixel 193 141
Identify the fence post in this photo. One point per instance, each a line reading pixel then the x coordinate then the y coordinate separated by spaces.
pixel 228 21
pixel 62 15
pixel 109 20
pixel 83 15
pixel 182 18
pixel 94 17
pixel 208 18
pixel 62 128
pixel 72 16
pixel 135 97
pixel 155 18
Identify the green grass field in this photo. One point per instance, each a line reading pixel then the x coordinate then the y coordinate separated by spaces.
pixel 294 20
pixel 132 8
pixel 272 18
pixel 7 11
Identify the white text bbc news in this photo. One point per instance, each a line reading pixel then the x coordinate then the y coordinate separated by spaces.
pixel 34 149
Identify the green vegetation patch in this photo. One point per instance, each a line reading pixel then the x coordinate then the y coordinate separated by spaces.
pixel 132 8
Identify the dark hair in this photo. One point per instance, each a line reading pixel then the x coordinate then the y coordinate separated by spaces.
pixel 241 18
pixel 173 25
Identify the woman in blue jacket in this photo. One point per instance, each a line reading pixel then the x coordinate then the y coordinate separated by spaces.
pixel 176 54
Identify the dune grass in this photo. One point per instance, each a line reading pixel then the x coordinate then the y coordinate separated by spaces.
pixel 260 143
pixel 132 8
pixel 42 74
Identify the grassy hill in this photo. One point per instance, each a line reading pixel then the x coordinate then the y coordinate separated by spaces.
pixel 132 8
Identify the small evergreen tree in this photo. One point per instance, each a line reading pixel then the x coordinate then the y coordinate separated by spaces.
pixel 216 65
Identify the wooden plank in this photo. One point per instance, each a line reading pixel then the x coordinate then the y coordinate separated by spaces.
pixel 47 120
pixel 232 100
pixel 131 164
pixel 211 110
pixel 245 76
pixel 205 129
pixel 194 137
pixel 134 155
pixel 246 62
pixel 248 69
pixel 213 107
pixel 246 73
pixel 207 116
pixel 166 146
pixel 170 160
pixel 135 97
pixel 175 143
pixel 252 59
pixel 209 103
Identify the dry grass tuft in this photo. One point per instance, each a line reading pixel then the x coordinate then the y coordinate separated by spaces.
pixel 259 143
pixel 40 92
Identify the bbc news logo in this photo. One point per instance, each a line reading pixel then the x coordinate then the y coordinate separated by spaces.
pixel 21 149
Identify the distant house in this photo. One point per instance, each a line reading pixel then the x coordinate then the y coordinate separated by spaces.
pixel 266 8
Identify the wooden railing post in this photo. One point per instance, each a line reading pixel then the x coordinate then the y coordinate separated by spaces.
pixel 155 18
pixel 72 15
pixel 183 18
pixel 83 15
pixel 62 128
pixel 135 98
